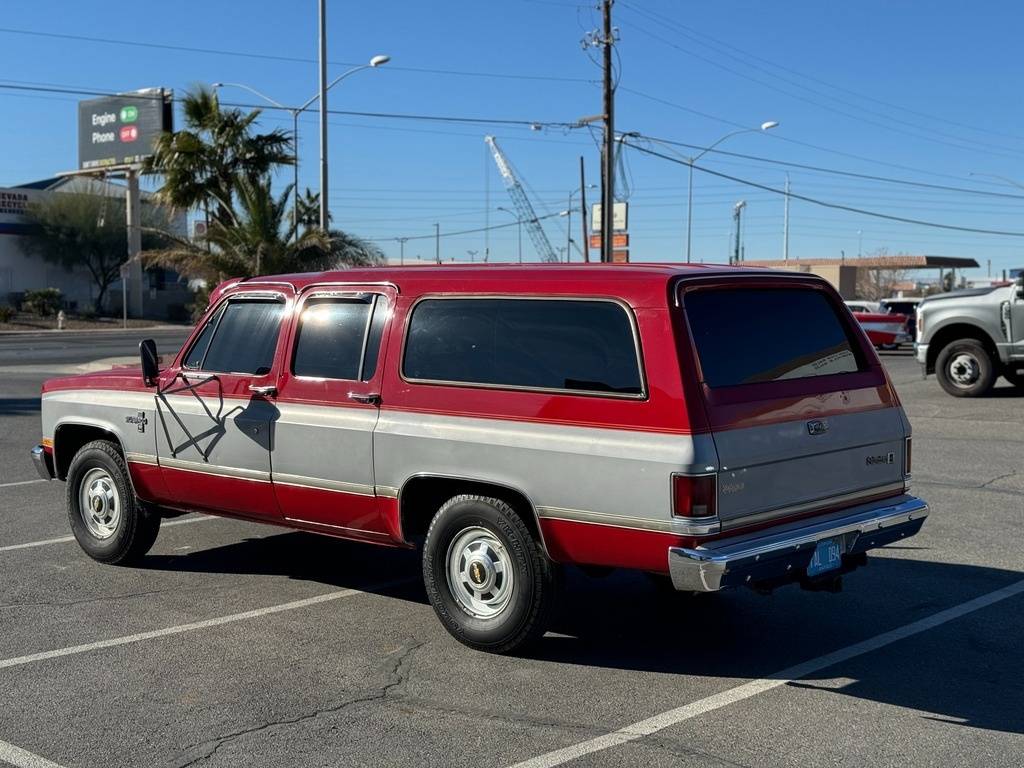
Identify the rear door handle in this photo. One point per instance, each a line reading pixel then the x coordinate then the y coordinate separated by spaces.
pixel 370 399
pixel 266 391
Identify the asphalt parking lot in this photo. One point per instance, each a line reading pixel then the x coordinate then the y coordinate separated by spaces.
pixel 241 644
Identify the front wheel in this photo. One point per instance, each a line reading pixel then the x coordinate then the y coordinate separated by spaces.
pixel 108 522
pixel 965 369
pixel 486 575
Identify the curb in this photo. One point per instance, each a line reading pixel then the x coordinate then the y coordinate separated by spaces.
pixel 115 329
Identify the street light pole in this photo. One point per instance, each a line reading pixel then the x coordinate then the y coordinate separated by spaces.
pixel 375 62
pixel 766 126
pixel 324 215
pixel 437 243
pixel 568 224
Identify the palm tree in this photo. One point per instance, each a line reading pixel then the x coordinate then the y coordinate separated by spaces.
pixel 348 250
pixel 203 164
pixel 256 237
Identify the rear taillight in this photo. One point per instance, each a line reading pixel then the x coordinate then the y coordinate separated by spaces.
pixel 694 495
pixel 906 457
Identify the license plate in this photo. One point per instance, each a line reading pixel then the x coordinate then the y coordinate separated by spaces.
pixel 828 555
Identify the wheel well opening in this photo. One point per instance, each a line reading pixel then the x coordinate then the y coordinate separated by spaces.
pixel 68 440
pixel 952 333
pixel 421 497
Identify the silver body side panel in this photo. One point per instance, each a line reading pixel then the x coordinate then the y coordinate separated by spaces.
pixel 333 443
pixel 107 410
pixel 563 468
pixel 781 467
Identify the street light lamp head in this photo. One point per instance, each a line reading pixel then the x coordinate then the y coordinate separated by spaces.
pixel 216 85
pixel 767 126
pixel 379 60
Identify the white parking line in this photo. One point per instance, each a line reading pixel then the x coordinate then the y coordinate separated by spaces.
pixel 754 687
pixel 23 482
pixel 64 539
pixel 73 650
pixel 20 758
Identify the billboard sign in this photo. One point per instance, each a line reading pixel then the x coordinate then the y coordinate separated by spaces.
pixel 120 130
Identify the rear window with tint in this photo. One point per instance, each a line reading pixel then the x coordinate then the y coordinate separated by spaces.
pixel 584 346
pixel 753 335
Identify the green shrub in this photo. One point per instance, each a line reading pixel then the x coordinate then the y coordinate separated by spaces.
pixel 6 313
pixel 42 303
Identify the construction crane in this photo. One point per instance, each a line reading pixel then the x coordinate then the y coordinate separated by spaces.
pixel 524 209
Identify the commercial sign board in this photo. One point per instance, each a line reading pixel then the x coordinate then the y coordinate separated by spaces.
pixel 120 130
pixel 619 240
pixel 620 214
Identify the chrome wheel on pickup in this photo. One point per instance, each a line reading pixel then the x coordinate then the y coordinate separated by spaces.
pixel 965 369
pixel 108 522
pixel 99 502
pixel 487 577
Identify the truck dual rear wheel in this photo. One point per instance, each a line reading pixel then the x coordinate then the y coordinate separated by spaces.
pixel 964 369
pixel 108 522
pixel 487 577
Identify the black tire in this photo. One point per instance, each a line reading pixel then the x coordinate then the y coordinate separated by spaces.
pixel 1015 377
pixel 132 529
pixel 965 369
pixel 530 597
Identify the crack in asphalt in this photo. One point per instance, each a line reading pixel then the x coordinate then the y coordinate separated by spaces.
pixel 396 673
pixel 85 600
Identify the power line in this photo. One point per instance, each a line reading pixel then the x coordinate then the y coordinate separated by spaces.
pixel 837 172
pixel 464 231
pixel 1006 151
pixel 273 57
pixel 349 113
pixel 824 203
pixel 695 36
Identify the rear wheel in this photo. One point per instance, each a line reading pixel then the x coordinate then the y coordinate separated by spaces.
pixel 965 369
pixel 108 522
pixel 487 577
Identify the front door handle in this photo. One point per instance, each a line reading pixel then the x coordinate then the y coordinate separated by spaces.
pixel 371 398
pixel 266 391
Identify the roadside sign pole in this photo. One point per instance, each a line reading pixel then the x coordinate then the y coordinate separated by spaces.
pixel 134 224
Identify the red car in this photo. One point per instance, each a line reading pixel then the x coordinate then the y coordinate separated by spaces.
pixel 508 421
pixel 885 331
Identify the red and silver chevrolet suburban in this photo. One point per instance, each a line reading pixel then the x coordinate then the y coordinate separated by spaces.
pixel 509 420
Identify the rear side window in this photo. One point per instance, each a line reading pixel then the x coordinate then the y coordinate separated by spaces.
pixel 749 336
pixel 244 338
pixel 339 338
pixel 560 344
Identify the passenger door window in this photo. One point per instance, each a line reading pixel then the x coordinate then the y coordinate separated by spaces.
pixel 240 339
pixel 339 338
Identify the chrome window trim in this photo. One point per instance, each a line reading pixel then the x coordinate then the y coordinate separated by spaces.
pixel 370 297
pixel 627 309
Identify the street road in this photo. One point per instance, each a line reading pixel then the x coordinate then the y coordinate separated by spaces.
pixel 240 644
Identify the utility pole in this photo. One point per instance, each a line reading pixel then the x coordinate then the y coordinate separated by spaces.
pixel 785 225
pixel 737 213
pixel 568 231
pixel 585 243
pixel 608 149
pixel 437 243
pixel 401 249
pixel 324 209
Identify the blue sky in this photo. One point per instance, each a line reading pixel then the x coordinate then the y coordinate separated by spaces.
pixel 921 92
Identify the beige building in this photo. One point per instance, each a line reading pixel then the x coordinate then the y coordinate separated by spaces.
pixel 847 274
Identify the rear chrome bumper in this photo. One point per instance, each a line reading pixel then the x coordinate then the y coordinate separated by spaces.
pixel 787 550
pixel 43 462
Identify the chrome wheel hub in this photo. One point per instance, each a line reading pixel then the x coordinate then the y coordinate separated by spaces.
pixel 100 503
pixel 480 574
pixel 964 370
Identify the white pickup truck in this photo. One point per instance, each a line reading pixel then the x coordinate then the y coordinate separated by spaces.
pixel 970 338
